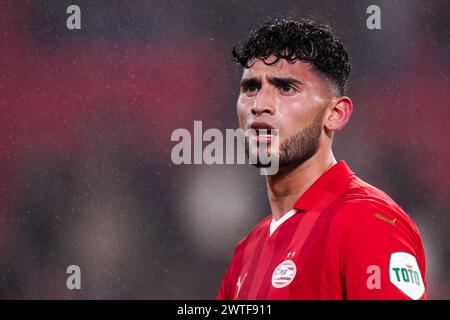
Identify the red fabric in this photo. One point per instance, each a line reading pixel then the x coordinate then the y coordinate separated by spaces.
pixel 342 227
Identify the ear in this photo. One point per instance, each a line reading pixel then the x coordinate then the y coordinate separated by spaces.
pixel 338 113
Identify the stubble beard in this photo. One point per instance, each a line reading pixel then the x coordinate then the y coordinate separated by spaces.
pixel 297 149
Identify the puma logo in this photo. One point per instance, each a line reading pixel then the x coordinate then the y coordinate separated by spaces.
pixel 239 284
pixel 382 217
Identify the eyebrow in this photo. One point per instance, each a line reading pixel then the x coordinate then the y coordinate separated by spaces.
pixel 282 81
pixel 275 81
pixel 248 82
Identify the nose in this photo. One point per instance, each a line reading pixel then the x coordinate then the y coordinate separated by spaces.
pixel 264 103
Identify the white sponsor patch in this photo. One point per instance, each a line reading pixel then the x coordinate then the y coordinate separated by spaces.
pixel 404 273
pixel 283 274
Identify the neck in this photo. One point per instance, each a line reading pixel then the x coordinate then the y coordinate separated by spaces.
pixel 290 183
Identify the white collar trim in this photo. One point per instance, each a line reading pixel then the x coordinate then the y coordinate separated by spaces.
pixel 274 224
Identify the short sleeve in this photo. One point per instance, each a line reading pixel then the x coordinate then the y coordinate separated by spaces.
pixel 381 255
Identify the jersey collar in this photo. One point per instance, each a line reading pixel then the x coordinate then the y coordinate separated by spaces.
pixel 326 183
pixel 274 224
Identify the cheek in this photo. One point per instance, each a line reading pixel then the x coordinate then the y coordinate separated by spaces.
pixel 295 115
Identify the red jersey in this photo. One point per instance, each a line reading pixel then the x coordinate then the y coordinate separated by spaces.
pixel 345 240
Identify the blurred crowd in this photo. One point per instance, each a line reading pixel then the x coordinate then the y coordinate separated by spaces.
pixel 86 116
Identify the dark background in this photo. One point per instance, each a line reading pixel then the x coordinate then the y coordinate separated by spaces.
pixel 86 117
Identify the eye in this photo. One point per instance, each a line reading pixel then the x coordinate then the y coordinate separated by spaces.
pixel 287 89
pixel 250 90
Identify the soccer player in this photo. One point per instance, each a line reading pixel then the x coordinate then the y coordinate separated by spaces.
pixel 330 235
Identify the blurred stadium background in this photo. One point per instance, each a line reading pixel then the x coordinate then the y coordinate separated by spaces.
pixel 86 118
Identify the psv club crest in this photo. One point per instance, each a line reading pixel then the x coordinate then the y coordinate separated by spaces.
pixel 283 274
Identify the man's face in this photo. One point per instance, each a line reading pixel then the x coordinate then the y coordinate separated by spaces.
pixel 290 97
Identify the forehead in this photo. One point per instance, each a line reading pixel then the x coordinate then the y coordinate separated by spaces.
pixel 299 70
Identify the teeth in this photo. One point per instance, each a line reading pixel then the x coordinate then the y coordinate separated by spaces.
pixel 264 131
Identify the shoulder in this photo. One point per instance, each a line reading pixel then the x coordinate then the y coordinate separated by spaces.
pixel 368 232
pixel 256 233
pixel 364 210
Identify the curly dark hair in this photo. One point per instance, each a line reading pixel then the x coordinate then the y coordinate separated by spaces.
pixel 303 40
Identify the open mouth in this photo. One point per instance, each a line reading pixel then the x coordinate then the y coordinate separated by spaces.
pixel 262 132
